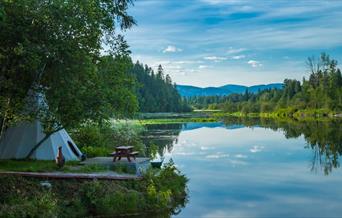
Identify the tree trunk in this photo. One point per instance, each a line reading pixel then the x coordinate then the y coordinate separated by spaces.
pixel 3 120
pixel 2 126
pixel 40 143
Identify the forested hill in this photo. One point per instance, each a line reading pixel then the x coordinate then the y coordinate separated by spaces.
pixel 320 94
pixel 156 92
pixel 190 91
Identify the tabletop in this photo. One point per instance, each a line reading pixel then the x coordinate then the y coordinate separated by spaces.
pixel 124 147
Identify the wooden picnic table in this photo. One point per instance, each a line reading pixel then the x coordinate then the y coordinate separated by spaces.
pixel 124 151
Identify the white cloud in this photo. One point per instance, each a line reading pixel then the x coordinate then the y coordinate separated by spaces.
pixel 202 66
pixel 232 50
pixel 215 58
pixel 256 148
pixel 172 49
pixel 254 63
pixel 238 57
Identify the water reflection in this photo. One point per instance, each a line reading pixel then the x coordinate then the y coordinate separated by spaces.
pixel 323 138
pixel 256 167
pixel 161 135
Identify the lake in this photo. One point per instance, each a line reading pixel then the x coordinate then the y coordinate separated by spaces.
pixel 256 168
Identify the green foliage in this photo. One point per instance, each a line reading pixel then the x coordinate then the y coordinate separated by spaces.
pixel 100 140
pixel 156 93
pixel 165 183
pixel 92 151
pixel 21 198
pixel 108 199
pixel 32 165
pixel 123 168
pixel 319 96
pixel 54 48
pixel 178 120
pixel 42 205
pixel 92 168
pixel 152 151
pixel 158 192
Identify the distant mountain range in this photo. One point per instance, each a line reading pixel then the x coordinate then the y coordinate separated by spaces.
pixel 189 91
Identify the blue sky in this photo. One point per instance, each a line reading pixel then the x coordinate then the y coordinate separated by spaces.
pixel 248 42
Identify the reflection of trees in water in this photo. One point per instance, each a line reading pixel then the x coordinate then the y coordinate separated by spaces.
pixel 323 137
pixel 162 135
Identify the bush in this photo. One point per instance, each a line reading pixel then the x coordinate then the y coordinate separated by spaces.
pixel 108 199
pixel 166 187
pixel 22 198
pixel 92 151
pixel 160 192
pixel 95 140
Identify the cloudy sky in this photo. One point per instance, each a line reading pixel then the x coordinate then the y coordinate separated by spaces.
pixel 217 42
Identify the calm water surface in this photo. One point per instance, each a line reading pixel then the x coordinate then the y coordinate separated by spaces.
pixel 256 169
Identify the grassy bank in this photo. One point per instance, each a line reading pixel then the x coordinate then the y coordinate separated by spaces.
pixel 159 192
pixel 33 165
pixel 307 114
pixel 69 167
pixel 178 120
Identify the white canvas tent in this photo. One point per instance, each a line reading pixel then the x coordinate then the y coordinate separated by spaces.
pixel 17 142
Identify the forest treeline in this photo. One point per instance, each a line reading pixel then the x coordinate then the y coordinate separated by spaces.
pixel 156 92
pixel 322 91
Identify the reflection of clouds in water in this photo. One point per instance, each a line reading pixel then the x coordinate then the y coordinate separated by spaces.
pixel 217 155
pixel 237 162
pixel 179 166
pixel 256 148
pixel 184 153
pixel 203 148
pixel 186 143
pixel 225 214
pixel 248 184
pixel 241 156
pixel 182 148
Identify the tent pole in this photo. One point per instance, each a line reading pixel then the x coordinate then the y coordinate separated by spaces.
pixel 41 142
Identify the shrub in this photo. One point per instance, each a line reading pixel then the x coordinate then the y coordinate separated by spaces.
pixel 110 199
pixel 43 204
pixel 160 192
pixel 92 151
pixel 95 140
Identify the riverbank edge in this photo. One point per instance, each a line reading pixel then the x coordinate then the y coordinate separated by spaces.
pixel 160 192
pixel 299 115
pixel 217 116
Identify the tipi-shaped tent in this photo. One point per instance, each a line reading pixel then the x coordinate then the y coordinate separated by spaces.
pixel 17 141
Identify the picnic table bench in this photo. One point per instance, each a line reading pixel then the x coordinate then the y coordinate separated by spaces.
pixel 124 151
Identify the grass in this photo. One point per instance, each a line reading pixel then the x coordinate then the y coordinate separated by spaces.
pixel 33 165
pixel 122 168
pixel 93 168
pixel 304 115
pixel 50 166
pixel 178 120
